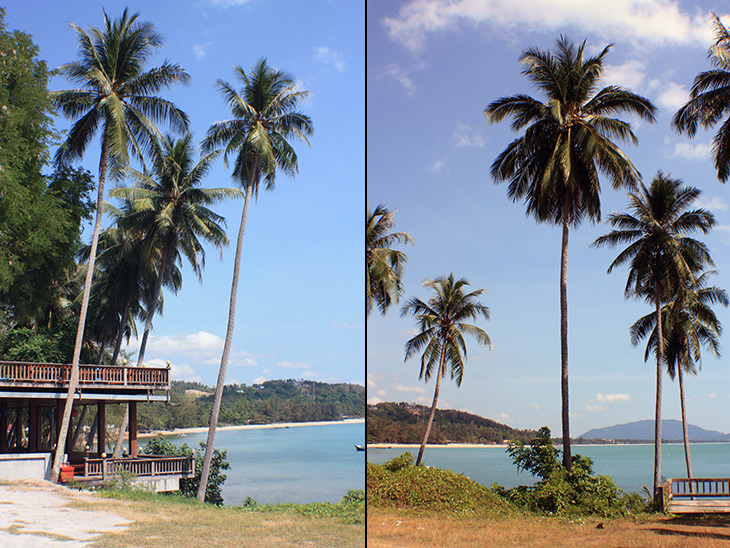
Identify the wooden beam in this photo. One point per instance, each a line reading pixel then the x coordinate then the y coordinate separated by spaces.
pixel 133 428
pixel 33 427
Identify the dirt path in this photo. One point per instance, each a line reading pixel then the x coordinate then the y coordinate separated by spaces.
pixel 36 513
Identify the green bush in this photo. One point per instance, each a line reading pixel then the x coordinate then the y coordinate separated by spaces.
pixel 399 484
pixel 189 486
pixel 351 509
pixel 559 492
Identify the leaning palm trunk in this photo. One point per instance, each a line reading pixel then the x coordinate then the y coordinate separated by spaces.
pixel 658 405
pixel 433 405
pixel 74 381
pixel 564 387
pixel 685 427
pixel 205 472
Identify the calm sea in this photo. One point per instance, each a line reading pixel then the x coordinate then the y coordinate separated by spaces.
pixel 630 466
pixel 299 464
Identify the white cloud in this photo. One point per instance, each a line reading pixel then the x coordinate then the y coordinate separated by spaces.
pixel 331 57
pixel 436 167
pixel 630 75
pixel 714 204
pixel 259 380
pixel 673 96
pixel 293 365
pixel 501 417
pixel 713 395
pixel 201 50
pixel 381 393
pixel 373 380
pixel 467 136
pixel 400 75
pixel 645 21
pixel 611 398
pixel 536 406
pixel 201 341
pixel 425 401
pixel 374 400
pixel 690 151
pixel 414 389
pixel 594 408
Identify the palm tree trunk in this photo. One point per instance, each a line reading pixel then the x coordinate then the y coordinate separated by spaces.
pixel 120 335
pixel 564 388
pixel 433 405
pixel 685 427
pixel 120 436
pixel 205 472
pixel 74 381
pixel 658 404
pixel 153 305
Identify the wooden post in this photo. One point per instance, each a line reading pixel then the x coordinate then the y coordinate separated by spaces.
pixel 3 426
pixel 101 446
pixel 33 427
pixel 133 429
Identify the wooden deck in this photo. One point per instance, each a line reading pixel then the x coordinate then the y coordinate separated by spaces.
pixel 57 375
pixel 697 495
pixel 147 466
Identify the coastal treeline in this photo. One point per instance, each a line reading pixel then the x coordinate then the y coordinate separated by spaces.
pixel 390 422
pixel 270 402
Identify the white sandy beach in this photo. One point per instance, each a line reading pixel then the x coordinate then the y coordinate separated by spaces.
pixel 200 429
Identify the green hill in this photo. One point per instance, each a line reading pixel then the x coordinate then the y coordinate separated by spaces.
pixel 390 422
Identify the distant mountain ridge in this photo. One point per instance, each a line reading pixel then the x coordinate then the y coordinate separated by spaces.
pixel 644 430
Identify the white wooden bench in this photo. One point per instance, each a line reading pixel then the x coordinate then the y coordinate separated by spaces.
pixel 697 496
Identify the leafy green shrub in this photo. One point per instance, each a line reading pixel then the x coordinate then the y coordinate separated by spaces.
pixel 351 509
pixel 398 483
pixel 578 492
pixel 189 486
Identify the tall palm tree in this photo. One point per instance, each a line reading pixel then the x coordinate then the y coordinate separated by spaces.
pixel 441 323
pixel 709 101
pixel 384 266
pixel 117 98
pixel 554 165
pixel 661 259
pixel 171 209
pixel 689 324
pixel 265 120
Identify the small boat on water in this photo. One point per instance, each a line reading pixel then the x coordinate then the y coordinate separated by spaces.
pixel 359 448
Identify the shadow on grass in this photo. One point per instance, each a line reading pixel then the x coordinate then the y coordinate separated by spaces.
pixel 710 524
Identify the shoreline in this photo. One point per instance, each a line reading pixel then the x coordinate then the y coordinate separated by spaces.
pixel 504 446
pixel 200 429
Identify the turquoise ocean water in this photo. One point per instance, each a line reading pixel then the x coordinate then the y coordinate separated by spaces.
pixel 630 466
pixel 299 464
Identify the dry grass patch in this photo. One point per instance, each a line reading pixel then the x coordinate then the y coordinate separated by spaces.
pixel 170 523
pixel 399 529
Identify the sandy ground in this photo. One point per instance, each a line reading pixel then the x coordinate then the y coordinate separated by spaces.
pixel 35 514
pixel 179 431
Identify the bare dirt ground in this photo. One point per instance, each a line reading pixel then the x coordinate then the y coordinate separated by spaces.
pixel 36 513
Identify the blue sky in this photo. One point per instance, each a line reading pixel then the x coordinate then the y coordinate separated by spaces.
pixel 432 68
pixel 300 307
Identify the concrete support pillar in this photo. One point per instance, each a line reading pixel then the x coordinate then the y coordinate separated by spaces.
pixel 133 428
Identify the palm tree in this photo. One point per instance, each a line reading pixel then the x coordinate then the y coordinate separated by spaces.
pixel 384 266
pixel 661 258
pixel 689 324
pixel 264 121
pixel 117 96
pixel 441 324
pixel 171 209
pixel 554 165
pixel 709 101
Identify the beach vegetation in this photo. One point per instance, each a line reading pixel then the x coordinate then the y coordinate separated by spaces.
pixel 441 322
pixel 260 134
pixel 384 265
pixel 350 509
pixel 567 142
pixel 662 260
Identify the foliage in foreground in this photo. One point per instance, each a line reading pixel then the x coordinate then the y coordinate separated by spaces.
pixel 560 492
pixel 400 484
pixel 189 486
pixel 351 509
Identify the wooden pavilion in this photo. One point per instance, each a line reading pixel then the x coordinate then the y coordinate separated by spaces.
pixel 32 399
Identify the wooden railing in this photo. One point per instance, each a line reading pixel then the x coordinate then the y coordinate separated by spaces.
pixel 117 376
pixel 148 466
